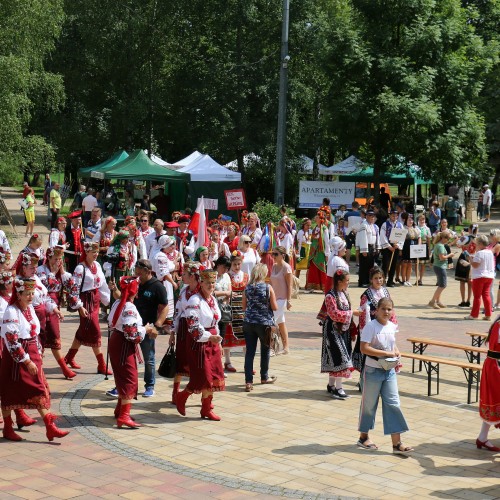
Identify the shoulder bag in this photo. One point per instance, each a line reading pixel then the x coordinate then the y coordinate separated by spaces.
pixel 273 338
pixel 226 311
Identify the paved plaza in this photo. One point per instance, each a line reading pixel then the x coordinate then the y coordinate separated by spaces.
pixel 289 439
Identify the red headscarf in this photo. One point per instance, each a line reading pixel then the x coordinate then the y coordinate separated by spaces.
pixel 129 285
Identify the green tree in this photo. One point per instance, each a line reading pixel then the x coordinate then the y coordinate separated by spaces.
pixel 28 91
pixel 405 76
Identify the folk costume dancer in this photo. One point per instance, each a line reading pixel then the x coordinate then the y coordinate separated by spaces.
pixel 190 278
pixel 127 332
pixel 57 236
pixel 318 256
pixel 206 372
pixel 303 241
pixel 74 239
pixel 88 290
pixel 24 385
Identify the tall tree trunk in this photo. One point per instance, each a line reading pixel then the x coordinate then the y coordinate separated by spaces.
pixel 377 170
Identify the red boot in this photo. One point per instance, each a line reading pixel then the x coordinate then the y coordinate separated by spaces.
pixel 66 371
pixel 101 365
pixel 180 401
pixel 117 410
pixel 8 430
pixel 52 430
pixel 175 391
pixel 206 411
pixel 70 359
pixel 124 418
pixel 22 420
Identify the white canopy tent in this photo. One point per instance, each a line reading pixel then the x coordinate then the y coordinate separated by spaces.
pixel 189 159
pixel 159 161
pixel 247 160
pixel 307 164
pixel 205 168
pixel 347 166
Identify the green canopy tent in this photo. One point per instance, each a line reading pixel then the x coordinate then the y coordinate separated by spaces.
pixel 105 165
pixel 138 166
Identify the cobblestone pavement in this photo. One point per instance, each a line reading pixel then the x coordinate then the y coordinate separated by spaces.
pixel 290 439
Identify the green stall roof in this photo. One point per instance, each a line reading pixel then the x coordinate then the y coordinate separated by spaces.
pixel 105 165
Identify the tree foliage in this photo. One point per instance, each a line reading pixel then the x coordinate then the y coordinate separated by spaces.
pixel 28 92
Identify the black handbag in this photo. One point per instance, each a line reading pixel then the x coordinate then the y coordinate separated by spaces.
pixel 167 365
pixel 226 311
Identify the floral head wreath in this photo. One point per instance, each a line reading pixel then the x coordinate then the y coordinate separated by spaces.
pixel 234 225
pixel 236 253
pixel 7 277
pixel 208 275
pixel 214 223
pixel 175 216
pixel 4 256
pixel 90 246
pixel 326 209
pixel 24 284
pixel 58 251
pixel 29 258
pixel 193 268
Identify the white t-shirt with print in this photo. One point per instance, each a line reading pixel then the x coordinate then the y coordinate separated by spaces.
pixel 379 336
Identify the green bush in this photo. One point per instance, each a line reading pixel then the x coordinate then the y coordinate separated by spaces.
pixel 267 211
pixel 10 175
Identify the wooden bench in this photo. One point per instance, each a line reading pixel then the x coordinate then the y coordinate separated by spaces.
pixel 477 338
pixel 472 371
pixel 420 344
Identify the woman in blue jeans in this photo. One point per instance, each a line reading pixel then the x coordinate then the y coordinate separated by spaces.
pixel 259 302
pixel 378 342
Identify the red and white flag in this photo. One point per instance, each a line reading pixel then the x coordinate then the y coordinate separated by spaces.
pixel 198 225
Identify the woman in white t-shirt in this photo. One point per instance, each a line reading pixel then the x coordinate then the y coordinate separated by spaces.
pixel 378 341
pixel 249 255
pixel 482 274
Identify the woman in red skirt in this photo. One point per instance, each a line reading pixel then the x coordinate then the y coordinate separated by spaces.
pixel 206 372
pixel 6 282
pixel 23 384
pixel 489 396
pixel 87 290
pixel 234 336
pixel 55 280
pixel 191 278
pixel 127 331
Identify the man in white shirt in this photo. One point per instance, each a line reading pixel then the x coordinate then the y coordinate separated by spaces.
pixel 151 240
pixel 390 250
pixel 93 225
pixel 487 200
pixel 368 243
pixel 88 203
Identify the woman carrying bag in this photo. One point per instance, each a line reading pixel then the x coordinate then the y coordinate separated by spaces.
pixel 259 302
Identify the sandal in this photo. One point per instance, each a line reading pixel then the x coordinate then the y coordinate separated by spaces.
pixel 270 380
pixel 401 449
pixel 248 387
pixel 366 444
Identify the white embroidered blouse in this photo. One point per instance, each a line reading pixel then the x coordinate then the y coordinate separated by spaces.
pixel 129 322
pixel 90 282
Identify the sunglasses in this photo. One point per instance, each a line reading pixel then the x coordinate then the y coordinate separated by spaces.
pixel 275 254
pixel 144 220
pixel 246 243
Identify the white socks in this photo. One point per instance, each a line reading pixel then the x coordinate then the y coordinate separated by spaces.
pixel 483 435
pixel 338 382
pixel 227 356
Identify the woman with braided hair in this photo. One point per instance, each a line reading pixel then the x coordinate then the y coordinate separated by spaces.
pixel 87 290
pixel 24 385
pixel 127 332
pixel 56 281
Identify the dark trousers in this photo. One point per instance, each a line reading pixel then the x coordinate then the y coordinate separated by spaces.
pixel 254 332
pixel 365 264
pixel 54 216
pixel 386 258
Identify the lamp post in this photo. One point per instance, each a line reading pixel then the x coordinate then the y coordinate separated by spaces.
pixel 279 187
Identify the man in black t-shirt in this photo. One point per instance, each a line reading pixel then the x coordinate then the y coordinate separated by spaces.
pixel 152 305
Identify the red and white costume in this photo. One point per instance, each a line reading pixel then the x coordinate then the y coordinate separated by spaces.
pixel 206 371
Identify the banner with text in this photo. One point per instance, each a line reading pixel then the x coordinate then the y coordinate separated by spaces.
pixel 311 193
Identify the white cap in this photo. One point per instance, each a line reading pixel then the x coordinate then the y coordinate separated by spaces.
pixel 165 241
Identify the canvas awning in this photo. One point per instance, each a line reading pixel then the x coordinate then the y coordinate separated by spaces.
pixel 107 164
